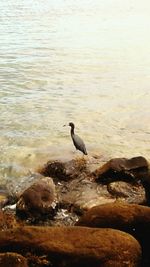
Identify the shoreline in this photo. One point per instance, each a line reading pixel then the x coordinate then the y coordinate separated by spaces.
pixel 63 193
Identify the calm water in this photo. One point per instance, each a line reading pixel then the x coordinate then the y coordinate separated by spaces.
pixel 82 61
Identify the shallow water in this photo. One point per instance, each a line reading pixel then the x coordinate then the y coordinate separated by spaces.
pixel 81 61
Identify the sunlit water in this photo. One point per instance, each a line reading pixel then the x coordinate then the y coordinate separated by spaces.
pixel 82 61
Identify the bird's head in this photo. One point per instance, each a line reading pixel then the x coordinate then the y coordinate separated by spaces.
pixel 71 124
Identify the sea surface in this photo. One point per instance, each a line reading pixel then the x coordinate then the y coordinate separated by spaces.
pixel 81 61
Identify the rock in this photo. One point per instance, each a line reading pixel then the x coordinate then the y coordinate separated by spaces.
pixel 15 188
pixel 38 199
pixel 63 170
pixel 75 246
pixel 3 200
pixel 38 261
pixel 77 190
pixel 3 197
pixel 122 169
pixel 25 182
pixel 12 260
pixel 64 217
pixel 81 194
pixel 131 218
pixel 7 220
pixel 128 192
pixel 117 215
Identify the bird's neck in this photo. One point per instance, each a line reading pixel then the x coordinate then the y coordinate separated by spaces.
pixel 72 131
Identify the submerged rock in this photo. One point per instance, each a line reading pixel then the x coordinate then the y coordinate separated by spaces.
pixel 81 194
pixel 75 246
pixel 38 199
pixel 122 169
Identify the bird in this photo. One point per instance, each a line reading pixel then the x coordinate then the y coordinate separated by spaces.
pixel 77 141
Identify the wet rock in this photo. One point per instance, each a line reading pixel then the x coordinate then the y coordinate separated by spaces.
pixel 81 194
pixel 25 182
pixel 77 190
pixel 38 199
pixel 65 218
pixel 15 188
pixel 7 220
pixel 131 193
pixel 12 260
pixel 122 169
pixel 64 170
pixel 75 246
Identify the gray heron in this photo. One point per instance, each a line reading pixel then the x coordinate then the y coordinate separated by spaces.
pixel 77 141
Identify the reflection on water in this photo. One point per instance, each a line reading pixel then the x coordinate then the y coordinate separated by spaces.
pixel 81 61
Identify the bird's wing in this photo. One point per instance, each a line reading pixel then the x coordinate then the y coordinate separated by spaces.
pixel 78 142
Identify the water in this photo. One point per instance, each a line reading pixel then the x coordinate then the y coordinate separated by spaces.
pixel 81 61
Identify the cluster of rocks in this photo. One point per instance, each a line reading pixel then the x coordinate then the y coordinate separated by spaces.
pixel 77 214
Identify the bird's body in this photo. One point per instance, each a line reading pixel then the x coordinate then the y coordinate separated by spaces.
pixel 77 141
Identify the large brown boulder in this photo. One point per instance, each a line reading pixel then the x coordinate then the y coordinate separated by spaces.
pixel 38 199
pixel 122 168
pixel 75 246
pixel 12 260
pixel 131 218
pixel 117 215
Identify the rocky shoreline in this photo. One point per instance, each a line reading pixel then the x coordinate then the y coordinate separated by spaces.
pixel 78 213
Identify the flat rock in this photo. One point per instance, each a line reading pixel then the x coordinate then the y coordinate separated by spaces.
pixel 83 194
pixel 38 199
pixel 12 260
pixel 75 246
pixel 130 193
